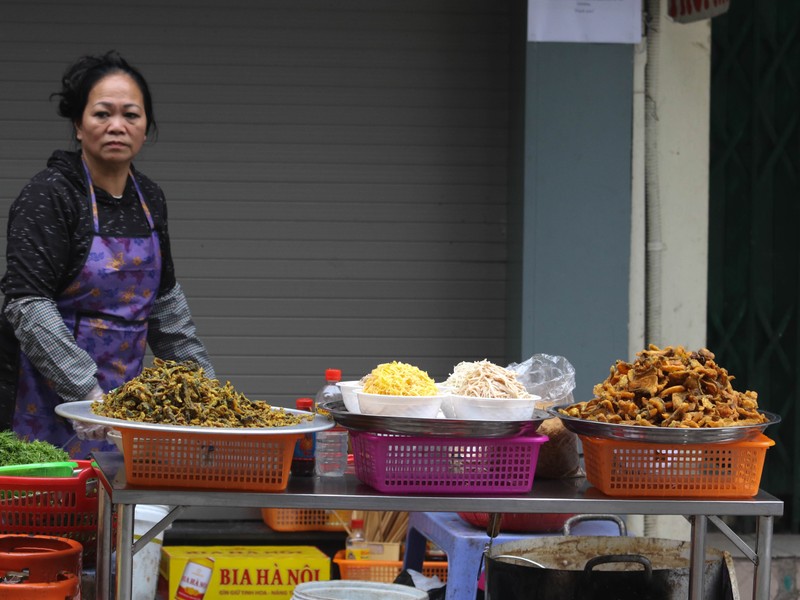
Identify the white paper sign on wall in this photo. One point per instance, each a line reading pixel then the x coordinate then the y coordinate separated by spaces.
pixel 590 21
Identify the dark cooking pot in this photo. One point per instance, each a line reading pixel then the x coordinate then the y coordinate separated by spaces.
pixel 600 568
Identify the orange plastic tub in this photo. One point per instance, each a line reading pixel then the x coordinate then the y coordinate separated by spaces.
pixel 53 564
pixel 45 558
pixel 67 587
pixel 715 470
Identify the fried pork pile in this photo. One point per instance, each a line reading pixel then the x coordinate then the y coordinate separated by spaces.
pixel 669 387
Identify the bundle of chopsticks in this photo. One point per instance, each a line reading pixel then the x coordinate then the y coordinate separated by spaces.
pixel 381 526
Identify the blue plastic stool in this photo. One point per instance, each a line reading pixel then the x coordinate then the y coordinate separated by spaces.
pixel 464 546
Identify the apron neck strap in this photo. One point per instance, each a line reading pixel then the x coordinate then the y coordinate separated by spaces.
pixel 93 198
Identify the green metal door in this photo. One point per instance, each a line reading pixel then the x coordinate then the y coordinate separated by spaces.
pixel 754 237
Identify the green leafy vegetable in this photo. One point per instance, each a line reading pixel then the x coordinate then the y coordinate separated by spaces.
pixel 14 451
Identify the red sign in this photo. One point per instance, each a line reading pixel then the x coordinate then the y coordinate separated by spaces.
pixel 687 11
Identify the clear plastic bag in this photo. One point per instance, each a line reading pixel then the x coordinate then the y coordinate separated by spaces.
pixel 552 378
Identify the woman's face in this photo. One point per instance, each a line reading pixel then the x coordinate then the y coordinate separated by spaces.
pixel 113 125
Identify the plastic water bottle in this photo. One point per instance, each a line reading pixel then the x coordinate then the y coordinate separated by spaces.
pixel 356 546
pixel 330 455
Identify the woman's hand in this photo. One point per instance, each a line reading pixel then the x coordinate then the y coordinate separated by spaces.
pixel 91 431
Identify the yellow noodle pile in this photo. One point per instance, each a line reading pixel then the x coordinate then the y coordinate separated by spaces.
pixel 399 379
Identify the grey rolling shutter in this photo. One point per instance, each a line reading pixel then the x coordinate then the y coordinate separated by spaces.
pixel 336 173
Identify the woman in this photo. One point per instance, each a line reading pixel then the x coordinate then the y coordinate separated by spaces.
pixel 90 279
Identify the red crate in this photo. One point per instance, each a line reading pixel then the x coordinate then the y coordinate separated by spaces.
pixel 56 506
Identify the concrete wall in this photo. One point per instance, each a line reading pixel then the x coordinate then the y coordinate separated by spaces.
pixel 576 205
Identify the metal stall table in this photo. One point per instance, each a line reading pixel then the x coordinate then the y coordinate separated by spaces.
pixel 348 493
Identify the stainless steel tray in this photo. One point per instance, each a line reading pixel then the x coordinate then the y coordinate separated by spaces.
pixel 82 411
pixel 432 427
pixel 664 435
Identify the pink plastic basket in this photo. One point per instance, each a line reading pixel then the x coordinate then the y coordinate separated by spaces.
pixel 449 465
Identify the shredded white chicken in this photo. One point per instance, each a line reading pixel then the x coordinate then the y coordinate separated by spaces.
pixel 484 379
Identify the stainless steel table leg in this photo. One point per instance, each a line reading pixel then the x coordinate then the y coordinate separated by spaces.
pixel 761 575
pixel 125 551
pixel 105 509
pixel 697 556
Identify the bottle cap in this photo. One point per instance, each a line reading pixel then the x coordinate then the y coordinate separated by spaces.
pixel 333 375
pixel 304 403
pixel 357 524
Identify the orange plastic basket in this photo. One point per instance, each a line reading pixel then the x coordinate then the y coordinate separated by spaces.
pixel 305 519
pixel 383 571
pixel 208 460
pixel 718 470
pixel 55 506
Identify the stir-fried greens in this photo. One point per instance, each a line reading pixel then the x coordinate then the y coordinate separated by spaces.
pixel 174 393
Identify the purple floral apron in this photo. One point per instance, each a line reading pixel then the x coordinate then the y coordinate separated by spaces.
pixel 106 309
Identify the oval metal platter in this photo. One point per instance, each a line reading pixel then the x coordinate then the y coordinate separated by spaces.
pixel 664 435
pixel 432 427
pixel 82 411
